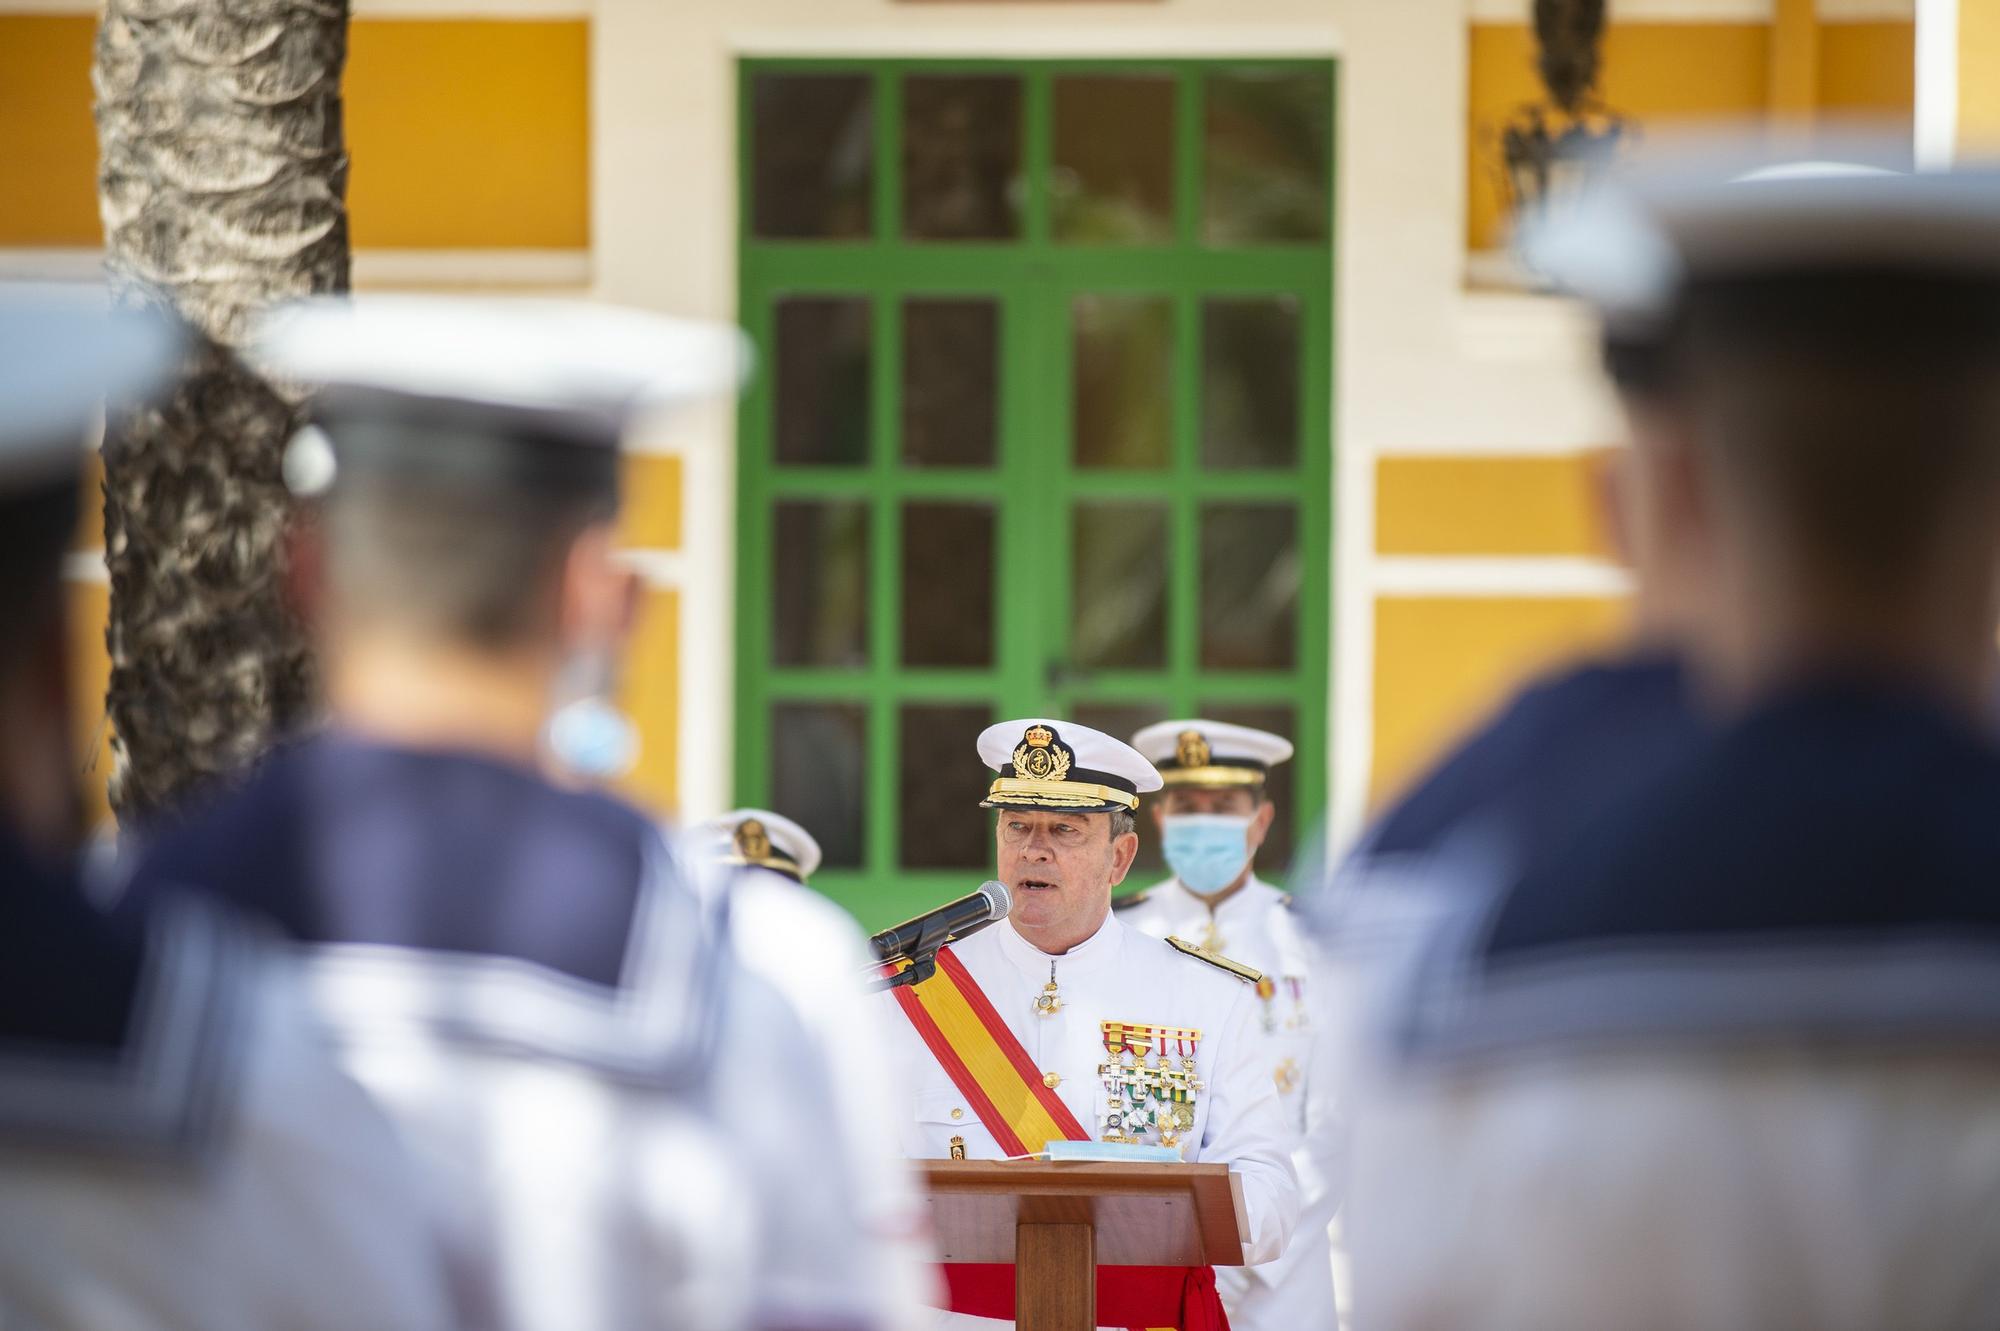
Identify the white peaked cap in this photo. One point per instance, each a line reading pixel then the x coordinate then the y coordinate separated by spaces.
pixel 1211 753
pixel 533 354
pixel 758 838
pixel 1048 764
pixel 63 352
pixel 1632 242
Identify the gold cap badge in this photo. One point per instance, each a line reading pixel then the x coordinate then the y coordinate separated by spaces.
pixel 1039 756
pixel 1191 750
pixel 753 843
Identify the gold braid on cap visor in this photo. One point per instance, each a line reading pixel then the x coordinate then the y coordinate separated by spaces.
pixel 1057 794
pixel 1213 776
pixel 789 868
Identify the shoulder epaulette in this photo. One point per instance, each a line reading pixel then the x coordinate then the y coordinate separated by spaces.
pixel 1236 968
pixel 1130 899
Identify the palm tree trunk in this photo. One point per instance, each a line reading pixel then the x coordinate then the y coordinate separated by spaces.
pixel 222 178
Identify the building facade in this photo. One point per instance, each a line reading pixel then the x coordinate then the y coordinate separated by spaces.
pixel 1117 360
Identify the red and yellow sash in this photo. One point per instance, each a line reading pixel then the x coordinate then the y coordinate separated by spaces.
pixel 992 1070
pixel 985 1061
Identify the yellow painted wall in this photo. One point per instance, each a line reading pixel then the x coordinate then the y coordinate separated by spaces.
pixel 48 141
pixel 89 606
pixel 1978 88
pixel 1658 72
pixel 463 133
pixel 1442 662
pixel 651 516
pixel 1868 69
pixel 1489 506
pixel 650 695
pixel 469 133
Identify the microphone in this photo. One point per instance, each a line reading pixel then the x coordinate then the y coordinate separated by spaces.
pixel 926 933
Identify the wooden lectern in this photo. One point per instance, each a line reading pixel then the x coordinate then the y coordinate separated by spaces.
pixel 1058 1221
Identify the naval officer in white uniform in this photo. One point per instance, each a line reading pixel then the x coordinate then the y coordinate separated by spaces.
pixel 1213 815
pixel 1069 978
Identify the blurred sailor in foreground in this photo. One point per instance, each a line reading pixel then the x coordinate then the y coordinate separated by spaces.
pixel 1130 1039
pixel 810 951
pixel 1582 734
pixel 619 1124
pixel 1212 816
pixel 177 1146
pixel 1729 1057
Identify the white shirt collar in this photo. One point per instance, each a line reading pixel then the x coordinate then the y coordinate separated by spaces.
pixel 1256 892
pixel 1093 953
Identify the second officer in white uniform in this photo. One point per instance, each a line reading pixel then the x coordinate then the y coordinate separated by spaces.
pixel 1213 816
pixel 1134 1040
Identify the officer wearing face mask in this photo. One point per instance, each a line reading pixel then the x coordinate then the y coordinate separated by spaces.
pixel 1213 814
pixel 615 1123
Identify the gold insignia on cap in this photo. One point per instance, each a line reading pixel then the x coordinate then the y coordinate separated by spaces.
pixel 1191 750
pixel 753 842
pixel 1040 757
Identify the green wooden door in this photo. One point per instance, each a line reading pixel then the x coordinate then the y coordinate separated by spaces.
pixel 1042 425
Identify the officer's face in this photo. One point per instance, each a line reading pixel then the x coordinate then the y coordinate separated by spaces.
pixel 1061 868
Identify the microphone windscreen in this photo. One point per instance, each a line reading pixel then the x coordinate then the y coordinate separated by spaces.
pixel 996 892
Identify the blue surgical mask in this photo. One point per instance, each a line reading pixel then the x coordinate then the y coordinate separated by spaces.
pixel 593 740
pixel 1206 850
pixel 587 735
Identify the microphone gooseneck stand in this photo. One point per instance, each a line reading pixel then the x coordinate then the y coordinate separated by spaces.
pixel 922 957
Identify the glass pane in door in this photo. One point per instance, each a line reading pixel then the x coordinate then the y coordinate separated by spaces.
pixel 1121 380
pixel 1268 156
pixel 1118 585
pixel 951 382
pixel 962 157
pixel 1250 572
pixel 1113 176
pixel 819 774
pixel 947 584
pixel 819 583
pixel 812 155
pixel 1250 381
pixel 941 783
pixel 821 410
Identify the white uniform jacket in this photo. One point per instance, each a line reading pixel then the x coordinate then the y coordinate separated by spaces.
pixel 811 952
pixel 218 1174
pixel 1255 926
pixel 1119 975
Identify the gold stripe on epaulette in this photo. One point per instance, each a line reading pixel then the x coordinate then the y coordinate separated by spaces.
pixel 1236 968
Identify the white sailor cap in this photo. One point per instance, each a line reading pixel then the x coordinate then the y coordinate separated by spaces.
pixel 533 395
pixel 1211 753
pixel 63 352
pixel 1638 240
pixel 759 838
pixel 1046 764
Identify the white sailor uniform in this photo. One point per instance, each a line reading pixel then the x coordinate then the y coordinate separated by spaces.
pixel 810 951
pixel 213 1171
pixel 1120 976
pixel 1254 925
